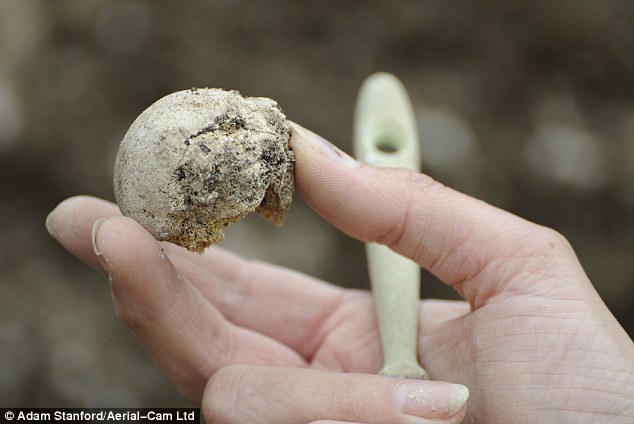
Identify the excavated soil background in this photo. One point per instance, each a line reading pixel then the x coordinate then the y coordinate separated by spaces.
pixel 527 105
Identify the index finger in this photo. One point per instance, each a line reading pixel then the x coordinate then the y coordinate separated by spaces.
pixel 462 240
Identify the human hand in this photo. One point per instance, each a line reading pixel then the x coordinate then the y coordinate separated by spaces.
pixel 533 342
pixel 201 315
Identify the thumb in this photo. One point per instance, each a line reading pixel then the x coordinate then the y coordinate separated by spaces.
pixel 291 395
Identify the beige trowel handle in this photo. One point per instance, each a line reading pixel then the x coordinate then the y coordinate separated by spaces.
pixel 386 135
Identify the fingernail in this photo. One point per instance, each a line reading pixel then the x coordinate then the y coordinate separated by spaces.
pixel 49 221
pixel 325 147
pixel 430 399
pixel 95 247
pixel 95 228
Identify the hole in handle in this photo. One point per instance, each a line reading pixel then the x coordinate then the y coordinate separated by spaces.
pixel 389 140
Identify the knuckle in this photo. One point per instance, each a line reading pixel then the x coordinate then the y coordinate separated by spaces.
pixel 408 185
pixel 551 240
pixel 122 309
pixel 221 394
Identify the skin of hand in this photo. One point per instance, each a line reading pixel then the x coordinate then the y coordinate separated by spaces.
pixel 252 342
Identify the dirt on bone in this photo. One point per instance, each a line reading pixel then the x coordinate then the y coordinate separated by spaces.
pixel 219 156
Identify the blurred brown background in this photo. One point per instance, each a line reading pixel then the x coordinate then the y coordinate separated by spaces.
pixel 528 105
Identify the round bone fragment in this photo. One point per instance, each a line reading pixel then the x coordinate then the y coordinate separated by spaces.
pixel 198 160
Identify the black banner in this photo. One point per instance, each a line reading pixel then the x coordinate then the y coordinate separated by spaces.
pixel 100 415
